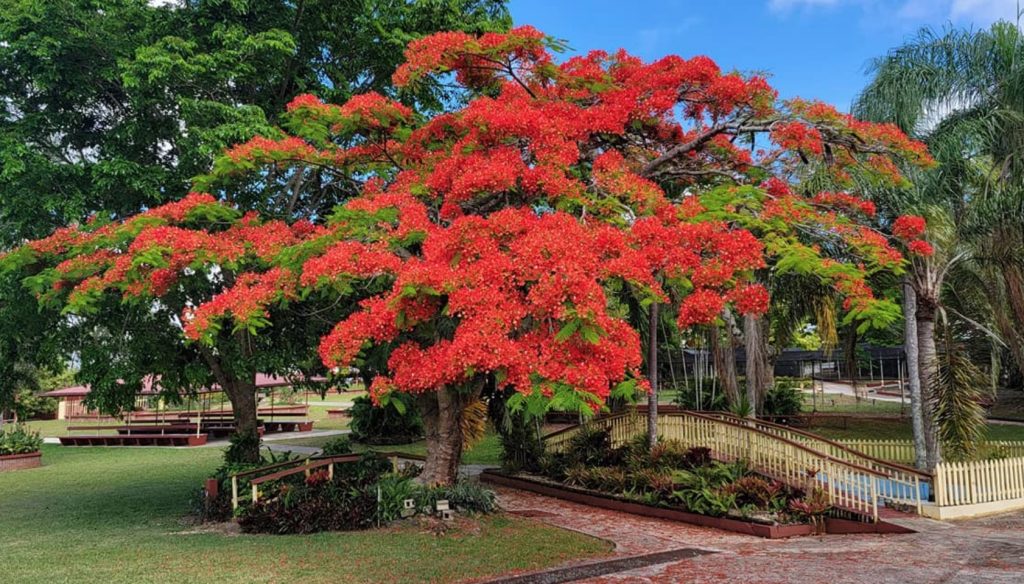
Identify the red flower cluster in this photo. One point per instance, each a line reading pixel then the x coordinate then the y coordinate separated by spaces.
pixel 909 227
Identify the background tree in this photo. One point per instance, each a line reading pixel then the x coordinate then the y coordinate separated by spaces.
pixel 111 108
pixel 961 92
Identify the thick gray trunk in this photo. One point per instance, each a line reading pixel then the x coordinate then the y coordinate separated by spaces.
pixel 725 365
pixel 442 423
pixel 652 377
pixel 242 395
pixel 913 374
pixel 927 371
pixel 759 373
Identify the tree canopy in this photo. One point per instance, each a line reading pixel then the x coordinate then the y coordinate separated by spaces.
pixel 492 245
pixel 112 107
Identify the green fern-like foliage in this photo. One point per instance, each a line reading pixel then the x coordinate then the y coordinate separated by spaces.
pixel 957 390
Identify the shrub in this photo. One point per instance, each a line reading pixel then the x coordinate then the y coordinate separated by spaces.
pixel 521 445
pixel 589 446
pixel 240 446
pixel 783 399
pixel 310 508
pixel 19 440
pixel 300 504
pixel 338 446
pixel 465 495
pixel 394 490
pixel 760 493
pixel 687 396
pixel 705 489
pixel 812 506
pixel 696 457
pixel 386 425
pixel 28 405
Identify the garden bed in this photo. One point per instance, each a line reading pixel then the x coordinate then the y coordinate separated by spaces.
pixel 21 461
pixel 616 503
pixel 548 488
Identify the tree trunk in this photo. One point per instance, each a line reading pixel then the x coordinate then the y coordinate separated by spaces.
pixel 652 377
pixel 246 445
pixel 850 357
pixel 759 374
pixel 442 415
pixel 927 364
pixel 725 364
pixel 913 375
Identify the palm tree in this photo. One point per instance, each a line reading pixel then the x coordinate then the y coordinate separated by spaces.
pixel 962 92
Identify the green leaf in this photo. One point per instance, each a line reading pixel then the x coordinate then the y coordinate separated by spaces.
pixel 567 330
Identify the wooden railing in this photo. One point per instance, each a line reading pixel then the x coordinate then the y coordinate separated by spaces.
pixel 985 481
pixel 259 476
pixel 901 478
pixel 853 481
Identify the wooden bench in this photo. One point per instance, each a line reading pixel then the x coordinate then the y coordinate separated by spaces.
pixel 273 426
pixel 339 414
pixel 135 440
pixel 157 429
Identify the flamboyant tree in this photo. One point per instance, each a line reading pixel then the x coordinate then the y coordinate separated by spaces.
pixel 488 246
pixel 125 286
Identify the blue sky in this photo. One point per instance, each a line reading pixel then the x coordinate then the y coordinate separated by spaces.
pixel 810 48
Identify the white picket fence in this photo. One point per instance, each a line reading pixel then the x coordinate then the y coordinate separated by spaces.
pixel 985 481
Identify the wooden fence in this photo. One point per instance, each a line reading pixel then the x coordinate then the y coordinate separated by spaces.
pixel 849 485
pixel 985 481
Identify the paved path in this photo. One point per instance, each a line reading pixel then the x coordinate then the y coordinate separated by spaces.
pixel 989 550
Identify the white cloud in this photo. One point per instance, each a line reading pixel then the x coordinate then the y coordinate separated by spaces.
pixel 983 11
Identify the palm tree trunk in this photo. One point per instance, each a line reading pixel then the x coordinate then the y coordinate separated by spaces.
pixel 927 364
pixel 652 377
pixel 913 375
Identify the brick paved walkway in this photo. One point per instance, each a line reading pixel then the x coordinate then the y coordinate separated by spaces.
pixel 981 550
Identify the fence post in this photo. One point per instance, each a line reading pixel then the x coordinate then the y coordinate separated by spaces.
pixel 234 492
pixel 255 493
pixel 874 498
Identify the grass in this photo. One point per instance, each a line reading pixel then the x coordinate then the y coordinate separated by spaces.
pixel 114 515
pixel 847 404
pixel 47 428
pixel 901 430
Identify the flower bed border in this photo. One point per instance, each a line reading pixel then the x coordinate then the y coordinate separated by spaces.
pixel 11 462
pixel 613 503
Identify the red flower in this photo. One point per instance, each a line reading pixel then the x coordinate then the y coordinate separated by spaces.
pixel 908 227
pixel 920 248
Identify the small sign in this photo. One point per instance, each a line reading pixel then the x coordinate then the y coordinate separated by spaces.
pixel 442 505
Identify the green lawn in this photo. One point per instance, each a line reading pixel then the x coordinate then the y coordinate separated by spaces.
pixel 842 403
pixel 901 430
pixel 114 515
pixel 49 427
